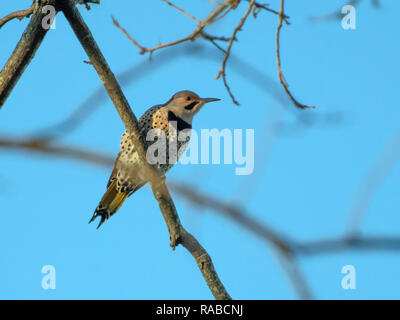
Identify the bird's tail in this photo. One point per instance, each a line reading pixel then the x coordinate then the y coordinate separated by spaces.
pixel 109 204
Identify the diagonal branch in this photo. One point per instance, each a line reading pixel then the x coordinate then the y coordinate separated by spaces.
pixel 178 234
pixel 18 14
pixel 265 6
pixel 24 52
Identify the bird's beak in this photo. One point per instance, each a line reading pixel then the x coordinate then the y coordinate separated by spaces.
pixel 206 100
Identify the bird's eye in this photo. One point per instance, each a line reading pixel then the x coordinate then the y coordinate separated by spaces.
pixel 188 98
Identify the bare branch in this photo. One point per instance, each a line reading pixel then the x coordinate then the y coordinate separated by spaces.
pixel 278 61
pixel 201 25
pixel 116 23
pixel 284 247
pixel 291 267
pixel 366 243
pixel 219 13
pixel 234 212
pixel 18 14
pixel 63 151
pixel 370 183
pixel 24 52
pixel 86 3
pixel 177 233
pixel 183 11
pixel 180 236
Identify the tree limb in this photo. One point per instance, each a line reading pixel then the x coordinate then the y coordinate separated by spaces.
pixel 177 233
pixel 18 15
pixel 24 52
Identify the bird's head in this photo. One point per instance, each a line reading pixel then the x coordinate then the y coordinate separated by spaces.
pixel 185 104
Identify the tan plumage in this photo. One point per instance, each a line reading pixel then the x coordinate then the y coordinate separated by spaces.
pixel 127 176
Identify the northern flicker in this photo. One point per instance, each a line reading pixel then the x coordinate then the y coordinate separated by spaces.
pixel 163 121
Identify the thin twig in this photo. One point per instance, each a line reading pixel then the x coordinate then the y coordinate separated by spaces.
pixel 222 72
pixel 183 11
pixel 201 25
pixel 278 61
pixel 18 14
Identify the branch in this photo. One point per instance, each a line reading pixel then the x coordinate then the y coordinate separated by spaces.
pixel 228 51
pixel 217 14
pixel 93 101
pixel 183 11
pixel 278 61
pixel 265 6
pixel 285 247
pixel 24 52
pixel 201 25
pixel 235 213
pixel 370 183
pixel 180 235
pixel 378 243
pixel 177 233
pixel 288 250
pixel 18 14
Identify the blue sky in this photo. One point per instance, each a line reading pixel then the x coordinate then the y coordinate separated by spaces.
pixel 303 183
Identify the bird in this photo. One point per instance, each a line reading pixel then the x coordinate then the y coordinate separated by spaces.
pixel 168 121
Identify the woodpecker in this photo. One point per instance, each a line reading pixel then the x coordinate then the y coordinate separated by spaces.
pixel 166 121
